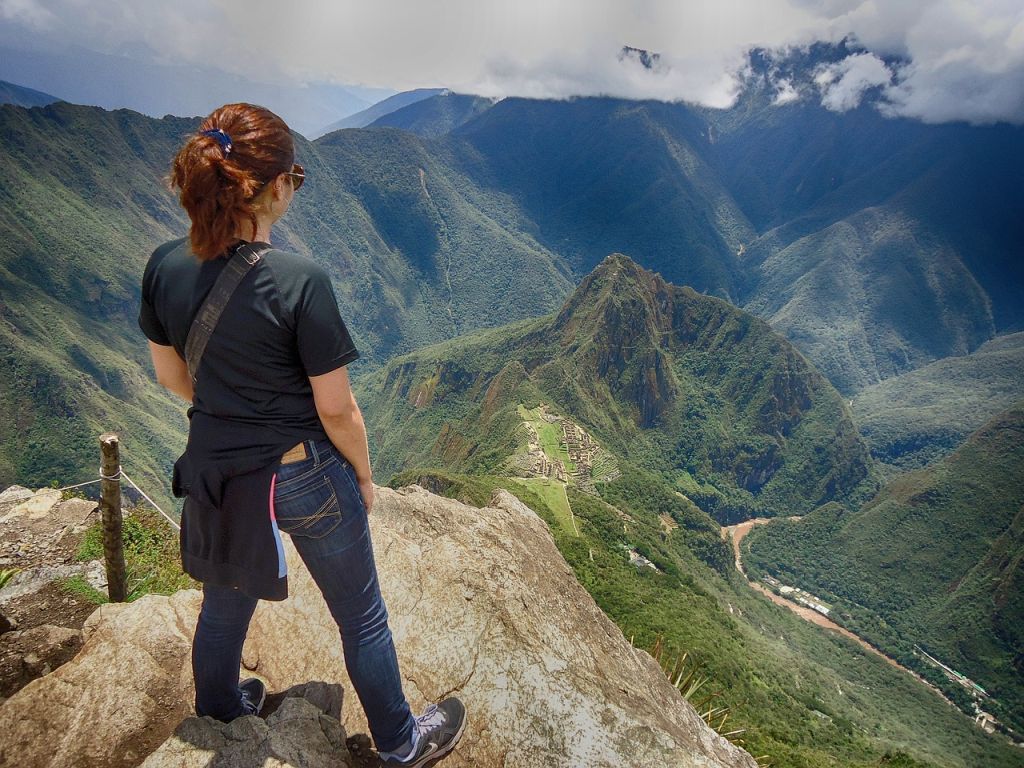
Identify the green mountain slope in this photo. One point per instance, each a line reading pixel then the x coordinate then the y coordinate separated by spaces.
pixel 24 97
pixel 435 116
pixel 872 296
pixel 682 384
pixel 934 559
pixel 416 252
pixel 921 416
pixel 79 220
pixel 598 176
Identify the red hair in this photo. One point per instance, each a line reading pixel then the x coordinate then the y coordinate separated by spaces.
pixel 219 182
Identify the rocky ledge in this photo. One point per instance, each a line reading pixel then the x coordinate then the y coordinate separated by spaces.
pixel 482 605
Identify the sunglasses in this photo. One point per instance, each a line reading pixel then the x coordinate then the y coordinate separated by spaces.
pixel 298 174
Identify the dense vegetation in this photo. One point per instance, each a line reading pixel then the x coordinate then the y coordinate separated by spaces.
pixel 933 560
pixel 919 417
pixel 804 697
pixel 683 384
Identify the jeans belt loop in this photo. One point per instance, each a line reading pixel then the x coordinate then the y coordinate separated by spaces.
pixel 313 452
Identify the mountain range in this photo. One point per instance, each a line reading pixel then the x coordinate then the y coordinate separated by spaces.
pixel 679 383
pixel 876 245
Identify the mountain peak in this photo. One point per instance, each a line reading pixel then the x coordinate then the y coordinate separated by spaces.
pixel 617 278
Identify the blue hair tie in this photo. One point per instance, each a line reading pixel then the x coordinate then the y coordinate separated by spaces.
pixel 222 138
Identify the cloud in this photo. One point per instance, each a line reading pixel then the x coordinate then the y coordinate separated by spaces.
pixel 844 83
pixel 785 92
pixel 28 12
pixel 961 59
pixel 964 59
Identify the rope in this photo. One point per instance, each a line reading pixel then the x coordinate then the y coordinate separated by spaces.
pixel 121 473
pixel 115 476
pixel 146 497
pixel 77 485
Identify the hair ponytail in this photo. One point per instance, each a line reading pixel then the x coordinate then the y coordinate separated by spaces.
pixel 220 174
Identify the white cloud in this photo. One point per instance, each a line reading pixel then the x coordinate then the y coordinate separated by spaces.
pixel 785 92
pixel 844 83
pixel 966 57
pixel 29 12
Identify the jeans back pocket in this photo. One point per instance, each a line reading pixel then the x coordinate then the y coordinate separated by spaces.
pixel 306 505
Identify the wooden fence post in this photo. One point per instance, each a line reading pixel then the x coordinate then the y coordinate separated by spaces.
pixel 110 508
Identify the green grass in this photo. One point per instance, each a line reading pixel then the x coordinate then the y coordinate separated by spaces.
pixel 78 587
pixel 151 553
pixel 553 495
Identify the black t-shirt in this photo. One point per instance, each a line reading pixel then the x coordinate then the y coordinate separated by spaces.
pixel 280 327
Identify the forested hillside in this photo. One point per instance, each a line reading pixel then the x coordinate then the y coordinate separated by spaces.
pixel 682 384
pixel 933 560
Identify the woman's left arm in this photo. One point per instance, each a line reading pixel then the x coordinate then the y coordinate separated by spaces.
pixel 171 370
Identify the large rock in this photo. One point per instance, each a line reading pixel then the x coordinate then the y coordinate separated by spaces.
pixel 300 733
pixel 117 700
pixel 481 604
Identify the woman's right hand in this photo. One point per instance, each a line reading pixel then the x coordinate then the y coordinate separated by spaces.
pixel 366 488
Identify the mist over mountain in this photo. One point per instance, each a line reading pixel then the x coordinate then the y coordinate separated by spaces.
pixel 378 110
pixel 24 97
pixel 436 116
pixel 139 80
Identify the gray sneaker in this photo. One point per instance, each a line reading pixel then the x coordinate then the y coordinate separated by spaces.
pixel 438 730
pixel 254 692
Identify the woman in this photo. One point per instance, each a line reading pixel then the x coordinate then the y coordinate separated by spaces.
pixel 276 439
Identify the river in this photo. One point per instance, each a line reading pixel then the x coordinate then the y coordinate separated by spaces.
pixel 742 529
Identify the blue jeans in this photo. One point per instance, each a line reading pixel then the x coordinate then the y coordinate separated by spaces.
pixel 318 503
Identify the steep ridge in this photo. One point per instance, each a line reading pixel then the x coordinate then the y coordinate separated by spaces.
pixel 921 416
pixel 481 605
pixel 671 380
pixel 601 175
pixel 435 116
pixel 79 229
pixel 936 556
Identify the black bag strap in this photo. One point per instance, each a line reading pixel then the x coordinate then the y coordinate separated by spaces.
pixel 238 266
